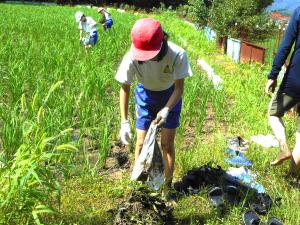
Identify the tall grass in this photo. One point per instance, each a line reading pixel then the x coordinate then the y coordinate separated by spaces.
pixel 29 176
pixel 40 48
pixel 38 52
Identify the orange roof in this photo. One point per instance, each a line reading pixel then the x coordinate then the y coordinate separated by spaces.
pixel 279 16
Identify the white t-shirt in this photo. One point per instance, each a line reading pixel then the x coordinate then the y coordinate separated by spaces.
pixel 107 15
pixel 89 26
pixel 153 75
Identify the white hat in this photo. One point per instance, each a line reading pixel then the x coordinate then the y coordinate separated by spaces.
pixel 78 16
pixel 100 9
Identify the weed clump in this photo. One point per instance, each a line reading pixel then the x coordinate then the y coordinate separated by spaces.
pixel 143 207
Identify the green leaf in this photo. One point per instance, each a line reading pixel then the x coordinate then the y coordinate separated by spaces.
pixel 67 147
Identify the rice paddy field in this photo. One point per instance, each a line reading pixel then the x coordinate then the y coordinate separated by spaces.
pixel 59 120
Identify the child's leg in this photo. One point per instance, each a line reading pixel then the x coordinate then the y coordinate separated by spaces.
pixel 168 148
pixel 295 161
pixel 280 104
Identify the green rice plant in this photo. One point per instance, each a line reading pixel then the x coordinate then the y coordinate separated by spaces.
pixel 34 59
pixel 29 177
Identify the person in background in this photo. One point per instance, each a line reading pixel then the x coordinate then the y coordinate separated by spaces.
pixel 160 67
pixel 288 94
pixel 88 26
pixel 106 20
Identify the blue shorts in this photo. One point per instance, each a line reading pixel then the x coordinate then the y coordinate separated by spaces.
pixel 149 103
pixel 92 39
pixel 109 23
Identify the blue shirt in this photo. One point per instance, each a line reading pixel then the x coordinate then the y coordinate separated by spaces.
pixel 291 80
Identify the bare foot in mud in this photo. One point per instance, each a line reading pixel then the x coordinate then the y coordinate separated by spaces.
pixel 281 158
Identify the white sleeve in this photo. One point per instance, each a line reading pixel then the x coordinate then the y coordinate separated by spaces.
pixel 182 67
pixel 92 22
pixel 107 15
pixel 126 73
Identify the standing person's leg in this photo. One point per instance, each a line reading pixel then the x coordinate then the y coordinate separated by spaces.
pixel 278 128
pixel 168 144
pixel 140 137
pixel 280 104
pixel 168 149
pixel 295 161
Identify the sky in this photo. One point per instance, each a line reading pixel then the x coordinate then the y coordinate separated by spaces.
pixel 286 5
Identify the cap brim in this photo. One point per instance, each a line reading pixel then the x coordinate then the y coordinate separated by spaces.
pixel 142 55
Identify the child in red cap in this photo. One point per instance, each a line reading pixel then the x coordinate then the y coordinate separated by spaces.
pixel 160 68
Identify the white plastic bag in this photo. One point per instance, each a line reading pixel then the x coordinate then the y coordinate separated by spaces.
pixel 267 141
pixel 150 162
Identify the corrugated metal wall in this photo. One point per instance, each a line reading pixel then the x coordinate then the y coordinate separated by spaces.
pixel 252 53
pixel 210 34
pixel 234 49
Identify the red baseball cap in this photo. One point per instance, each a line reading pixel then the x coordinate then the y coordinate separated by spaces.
pixel 147 37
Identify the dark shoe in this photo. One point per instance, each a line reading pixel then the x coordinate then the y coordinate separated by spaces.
pixel 190 184
pixel 181 187
pixel 251 218
pixel 233 194
pixel 193 181
pixel 216 196
pixel 274 221
pixel 262 203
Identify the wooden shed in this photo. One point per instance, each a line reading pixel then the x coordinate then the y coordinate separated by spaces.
pixel 252 53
